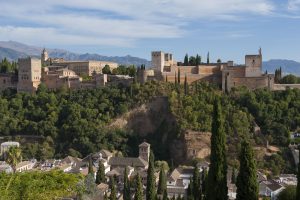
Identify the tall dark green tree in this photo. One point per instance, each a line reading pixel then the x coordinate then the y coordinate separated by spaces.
pixel 298 182
pixel 207 59
pixel 150 190
pixel 139 188
pixel 165 195
pixel 113 193
pixel 190 190
pixel 198 59
pixel 178 76
pixel 90 167
pixel 162 183
pixel 216 188
pixel 126 189
pixel 100 177
pixel 186 60
pixel 196 184
pixel 186 86
pixel 247 186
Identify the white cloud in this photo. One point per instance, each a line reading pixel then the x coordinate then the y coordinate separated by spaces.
pixel 293 5
pixel 115 22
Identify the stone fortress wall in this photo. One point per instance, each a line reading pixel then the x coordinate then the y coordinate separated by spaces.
pixel 226 75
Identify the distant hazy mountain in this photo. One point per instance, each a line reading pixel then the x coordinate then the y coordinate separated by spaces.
pixel 14 50
pixel 287 66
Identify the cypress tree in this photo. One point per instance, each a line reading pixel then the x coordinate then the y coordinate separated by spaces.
pixel 165 195
pixel 175 80
pixel 90 167
pixel 186 60
pixel 207 58
pixel 298 182
pixel 247 186
pixel 203 180
pixel 178 76
pixel 186 86
pixel 100 177
pixel 190 190
pixel 216 188
pixel 166 78
pixel 196 184
pixel 162 183
pixel 150 190
pixel 198 59
pixel 126 189
pixel 139 188
pixel 113 193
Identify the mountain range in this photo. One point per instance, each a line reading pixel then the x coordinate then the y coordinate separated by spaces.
pixel 13 50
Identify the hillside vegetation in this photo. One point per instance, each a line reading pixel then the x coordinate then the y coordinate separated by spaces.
pixel 79 122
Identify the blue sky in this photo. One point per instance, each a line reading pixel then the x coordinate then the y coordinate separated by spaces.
pixel 228 29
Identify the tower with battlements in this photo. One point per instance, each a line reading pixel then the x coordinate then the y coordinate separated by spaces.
pixel 144 151
pixel 29 75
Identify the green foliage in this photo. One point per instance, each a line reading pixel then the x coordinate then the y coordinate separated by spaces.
pixel 90 169
pixel 197 193
pixel 290 79
pixel 100 177
pixel 162 183
pixel 138 189
pixel 126 189
pixel 8 67
pixel 13 157
pixel 247 185
pixel 298 182
pixel 125 70
pixel 217 174
pixel 289 193
pixel 106 70
pixel 150 190
pixel 186 60
pixel 113 193
pixel 38 185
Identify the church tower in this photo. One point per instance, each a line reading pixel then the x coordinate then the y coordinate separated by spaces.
pixel 44 57
pixel 144 151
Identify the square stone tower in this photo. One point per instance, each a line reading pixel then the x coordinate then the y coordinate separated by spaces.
pixel 144 151
pixel 253 65
pixel 158 60
pixel 29 76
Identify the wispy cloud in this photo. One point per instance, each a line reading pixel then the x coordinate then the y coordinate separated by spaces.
pixel 294 5
pixel 116 22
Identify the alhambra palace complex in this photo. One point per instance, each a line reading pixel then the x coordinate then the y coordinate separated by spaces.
pixel 56 73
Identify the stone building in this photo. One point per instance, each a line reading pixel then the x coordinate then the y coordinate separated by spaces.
pixel 8 80
pixel 226 75
pixel 29 75
pixel 79 67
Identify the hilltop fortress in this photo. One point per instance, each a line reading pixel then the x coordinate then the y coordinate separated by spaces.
pixel 57 73
pixel 226 75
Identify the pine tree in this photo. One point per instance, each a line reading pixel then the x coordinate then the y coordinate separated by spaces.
pixel 113 193
pixel 298 182
pixel 207 58
pixel 100 177
pixel 126 189
pixel 139 188
pixel 162 183
pixel 247 187
pixel 90 169
pixel 178 76
pixel 216 188
pixel 150 190
pixel 186 60
pixel 196 184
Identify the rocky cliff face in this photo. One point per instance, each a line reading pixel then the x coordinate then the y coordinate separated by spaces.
pixel 155 123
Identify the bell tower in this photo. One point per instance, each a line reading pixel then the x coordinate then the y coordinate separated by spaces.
pixel 44 57
pixel 144 151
